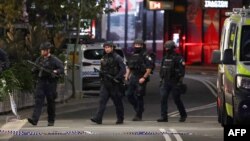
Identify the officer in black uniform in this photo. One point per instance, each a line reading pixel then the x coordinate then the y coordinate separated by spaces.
pixel 46 83
pixel 4 60
pixel 139 67
pixel 112 73
pixel 172 72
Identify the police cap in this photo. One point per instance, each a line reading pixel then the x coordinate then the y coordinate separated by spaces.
pixel 170 44
pixel 45 45
pixel 110 44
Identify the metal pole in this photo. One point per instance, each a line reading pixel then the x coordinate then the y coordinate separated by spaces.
pixel 154 31
pixel 126 25
pixel 166 28
pixel 108 25
pixel 144 25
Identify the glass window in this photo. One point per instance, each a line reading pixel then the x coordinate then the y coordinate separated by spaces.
pixel 96 54
pixel 231 35
pixel 211 27
pixel 245 44
pixel 131 27
pixel 93 54
pixel 222 39
pixel 235 41
pixel 117 25
pixel 139 14
pixel 159 25
pixel 194 21
pixel 149 25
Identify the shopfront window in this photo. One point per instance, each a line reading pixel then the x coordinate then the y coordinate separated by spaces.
pixel 138 24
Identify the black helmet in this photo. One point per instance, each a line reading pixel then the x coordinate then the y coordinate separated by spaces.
pixel 45 45
pixel 139 41
pixel 110 44
pixel 170 44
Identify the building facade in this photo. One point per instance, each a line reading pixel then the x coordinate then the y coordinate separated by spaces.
pixel 195 29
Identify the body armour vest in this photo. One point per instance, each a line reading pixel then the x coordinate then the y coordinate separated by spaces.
pixel 167 71
pixel 136 63
pixel 109 64
pixel 47 63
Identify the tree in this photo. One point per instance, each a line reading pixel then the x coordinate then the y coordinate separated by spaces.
pixel 45 20
pixel 86 9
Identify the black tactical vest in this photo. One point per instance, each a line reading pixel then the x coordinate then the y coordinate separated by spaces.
pixel 136 63
pixel 168 66
pixel 48 63
pixel 109 64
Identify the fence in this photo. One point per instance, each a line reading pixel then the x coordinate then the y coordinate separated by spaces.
pixel 24 100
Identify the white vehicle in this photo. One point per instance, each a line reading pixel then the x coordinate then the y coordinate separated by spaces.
pixel 233 59
pixel 91 55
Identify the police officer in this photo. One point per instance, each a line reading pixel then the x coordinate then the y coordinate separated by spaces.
pixel 48 72
pixel 4 60
pixel 112 73
pixel 139 67
pixel 172 72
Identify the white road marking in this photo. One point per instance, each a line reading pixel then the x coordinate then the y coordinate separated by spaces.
pixel 210 105
pixel 166 136
pixel 176 113
pixel 176 135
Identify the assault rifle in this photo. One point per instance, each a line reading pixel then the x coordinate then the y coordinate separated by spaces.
pixel 122 85
pixel 108 75
pixel 43 69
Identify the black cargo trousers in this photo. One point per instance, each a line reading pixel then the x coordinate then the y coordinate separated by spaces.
pixel 45 89
pixel 110 90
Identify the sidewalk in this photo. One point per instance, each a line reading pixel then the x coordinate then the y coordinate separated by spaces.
pixel 70 105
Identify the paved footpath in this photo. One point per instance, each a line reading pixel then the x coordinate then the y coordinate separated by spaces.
pixel 71 105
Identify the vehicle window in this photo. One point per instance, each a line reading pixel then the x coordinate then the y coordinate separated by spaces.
pixel 231 35
pixel 235 41
pixel 245 44
pixel 222 38
pixel 93 54
pixel 120 53
pixel 96 54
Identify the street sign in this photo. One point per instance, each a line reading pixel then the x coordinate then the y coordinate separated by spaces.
pixel 215 4
pixel 159 5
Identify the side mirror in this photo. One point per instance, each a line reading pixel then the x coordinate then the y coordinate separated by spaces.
pixel 216 57
pixel 228 57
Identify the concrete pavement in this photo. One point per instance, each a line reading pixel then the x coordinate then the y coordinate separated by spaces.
pixel 71 105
